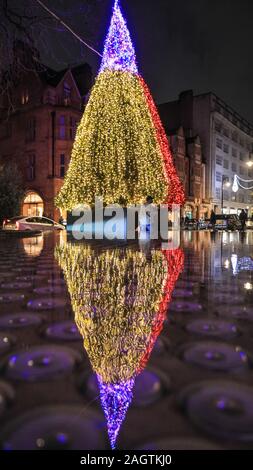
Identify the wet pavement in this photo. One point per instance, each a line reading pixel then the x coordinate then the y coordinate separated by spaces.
pixel 126 346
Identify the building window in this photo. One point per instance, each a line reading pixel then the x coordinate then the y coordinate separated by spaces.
pixel 241 156
pixel 50 97
pixel 234 136
pixel 30 129
pixel 219 143
pixel 226 132
pixel 72 128
pixel 234 167
pixel 241 142
pixel 197 190
pixel 66 94
pixel 62 127
pixel 62 132
pixel 241 170
pixel 218 193
pixel 24 97
pixel 218 176
pixel 197 171
pixel 62 165
pixel 31 167
pixel 73 124
pixel 217 126
pixel 218 160
pixel 234 152
pixel 226 148
pixel 226 164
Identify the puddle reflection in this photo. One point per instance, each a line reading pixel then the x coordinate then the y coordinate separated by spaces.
pixel 119 298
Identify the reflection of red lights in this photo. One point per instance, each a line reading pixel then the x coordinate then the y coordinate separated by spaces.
pixel 175 262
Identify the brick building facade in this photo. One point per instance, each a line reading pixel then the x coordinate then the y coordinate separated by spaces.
pixel 39 134
pixel 187 153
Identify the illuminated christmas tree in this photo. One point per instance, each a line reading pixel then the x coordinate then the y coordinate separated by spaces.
pixel 121 151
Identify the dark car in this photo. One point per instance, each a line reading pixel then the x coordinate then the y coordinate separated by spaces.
pixel 204 224
pixel 227 222
pixel 191 224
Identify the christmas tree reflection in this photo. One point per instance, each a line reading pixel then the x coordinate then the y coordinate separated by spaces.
pixel 119 297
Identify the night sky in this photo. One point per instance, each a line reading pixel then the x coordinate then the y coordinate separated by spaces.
pixel 204 45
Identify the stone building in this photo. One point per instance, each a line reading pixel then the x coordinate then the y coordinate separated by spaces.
pixel 187 153
pixel 38 135
pixel 227 142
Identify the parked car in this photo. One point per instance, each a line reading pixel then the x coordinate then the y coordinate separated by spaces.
pixel 227 222
pixel 204 224
pixel 11 224
pixel 249 223
pixel 31 223
pixel 191 224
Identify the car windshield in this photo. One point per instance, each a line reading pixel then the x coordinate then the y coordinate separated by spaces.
pixel 45 220
pixel 221 217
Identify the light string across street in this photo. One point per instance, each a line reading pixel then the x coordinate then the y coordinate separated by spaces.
pixel 237 182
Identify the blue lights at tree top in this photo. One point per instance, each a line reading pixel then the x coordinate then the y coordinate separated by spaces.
pixel 119 53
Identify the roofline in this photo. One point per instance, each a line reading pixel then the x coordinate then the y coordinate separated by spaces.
pixel 232 110
pixel 229 108
pixel 65 71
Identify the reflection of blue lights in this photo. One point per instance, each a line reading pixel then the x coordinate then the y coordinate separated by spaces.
pixel 62 438
pixel 206 327
pixel 12 361
pixel 46 361
pixel 221 404
pixel 243 356
pixel 7 446
pixel 209 355
pixel 115 400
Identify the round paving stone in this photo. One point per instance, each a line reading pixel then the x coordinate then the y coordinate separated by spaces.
pixel 55 428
